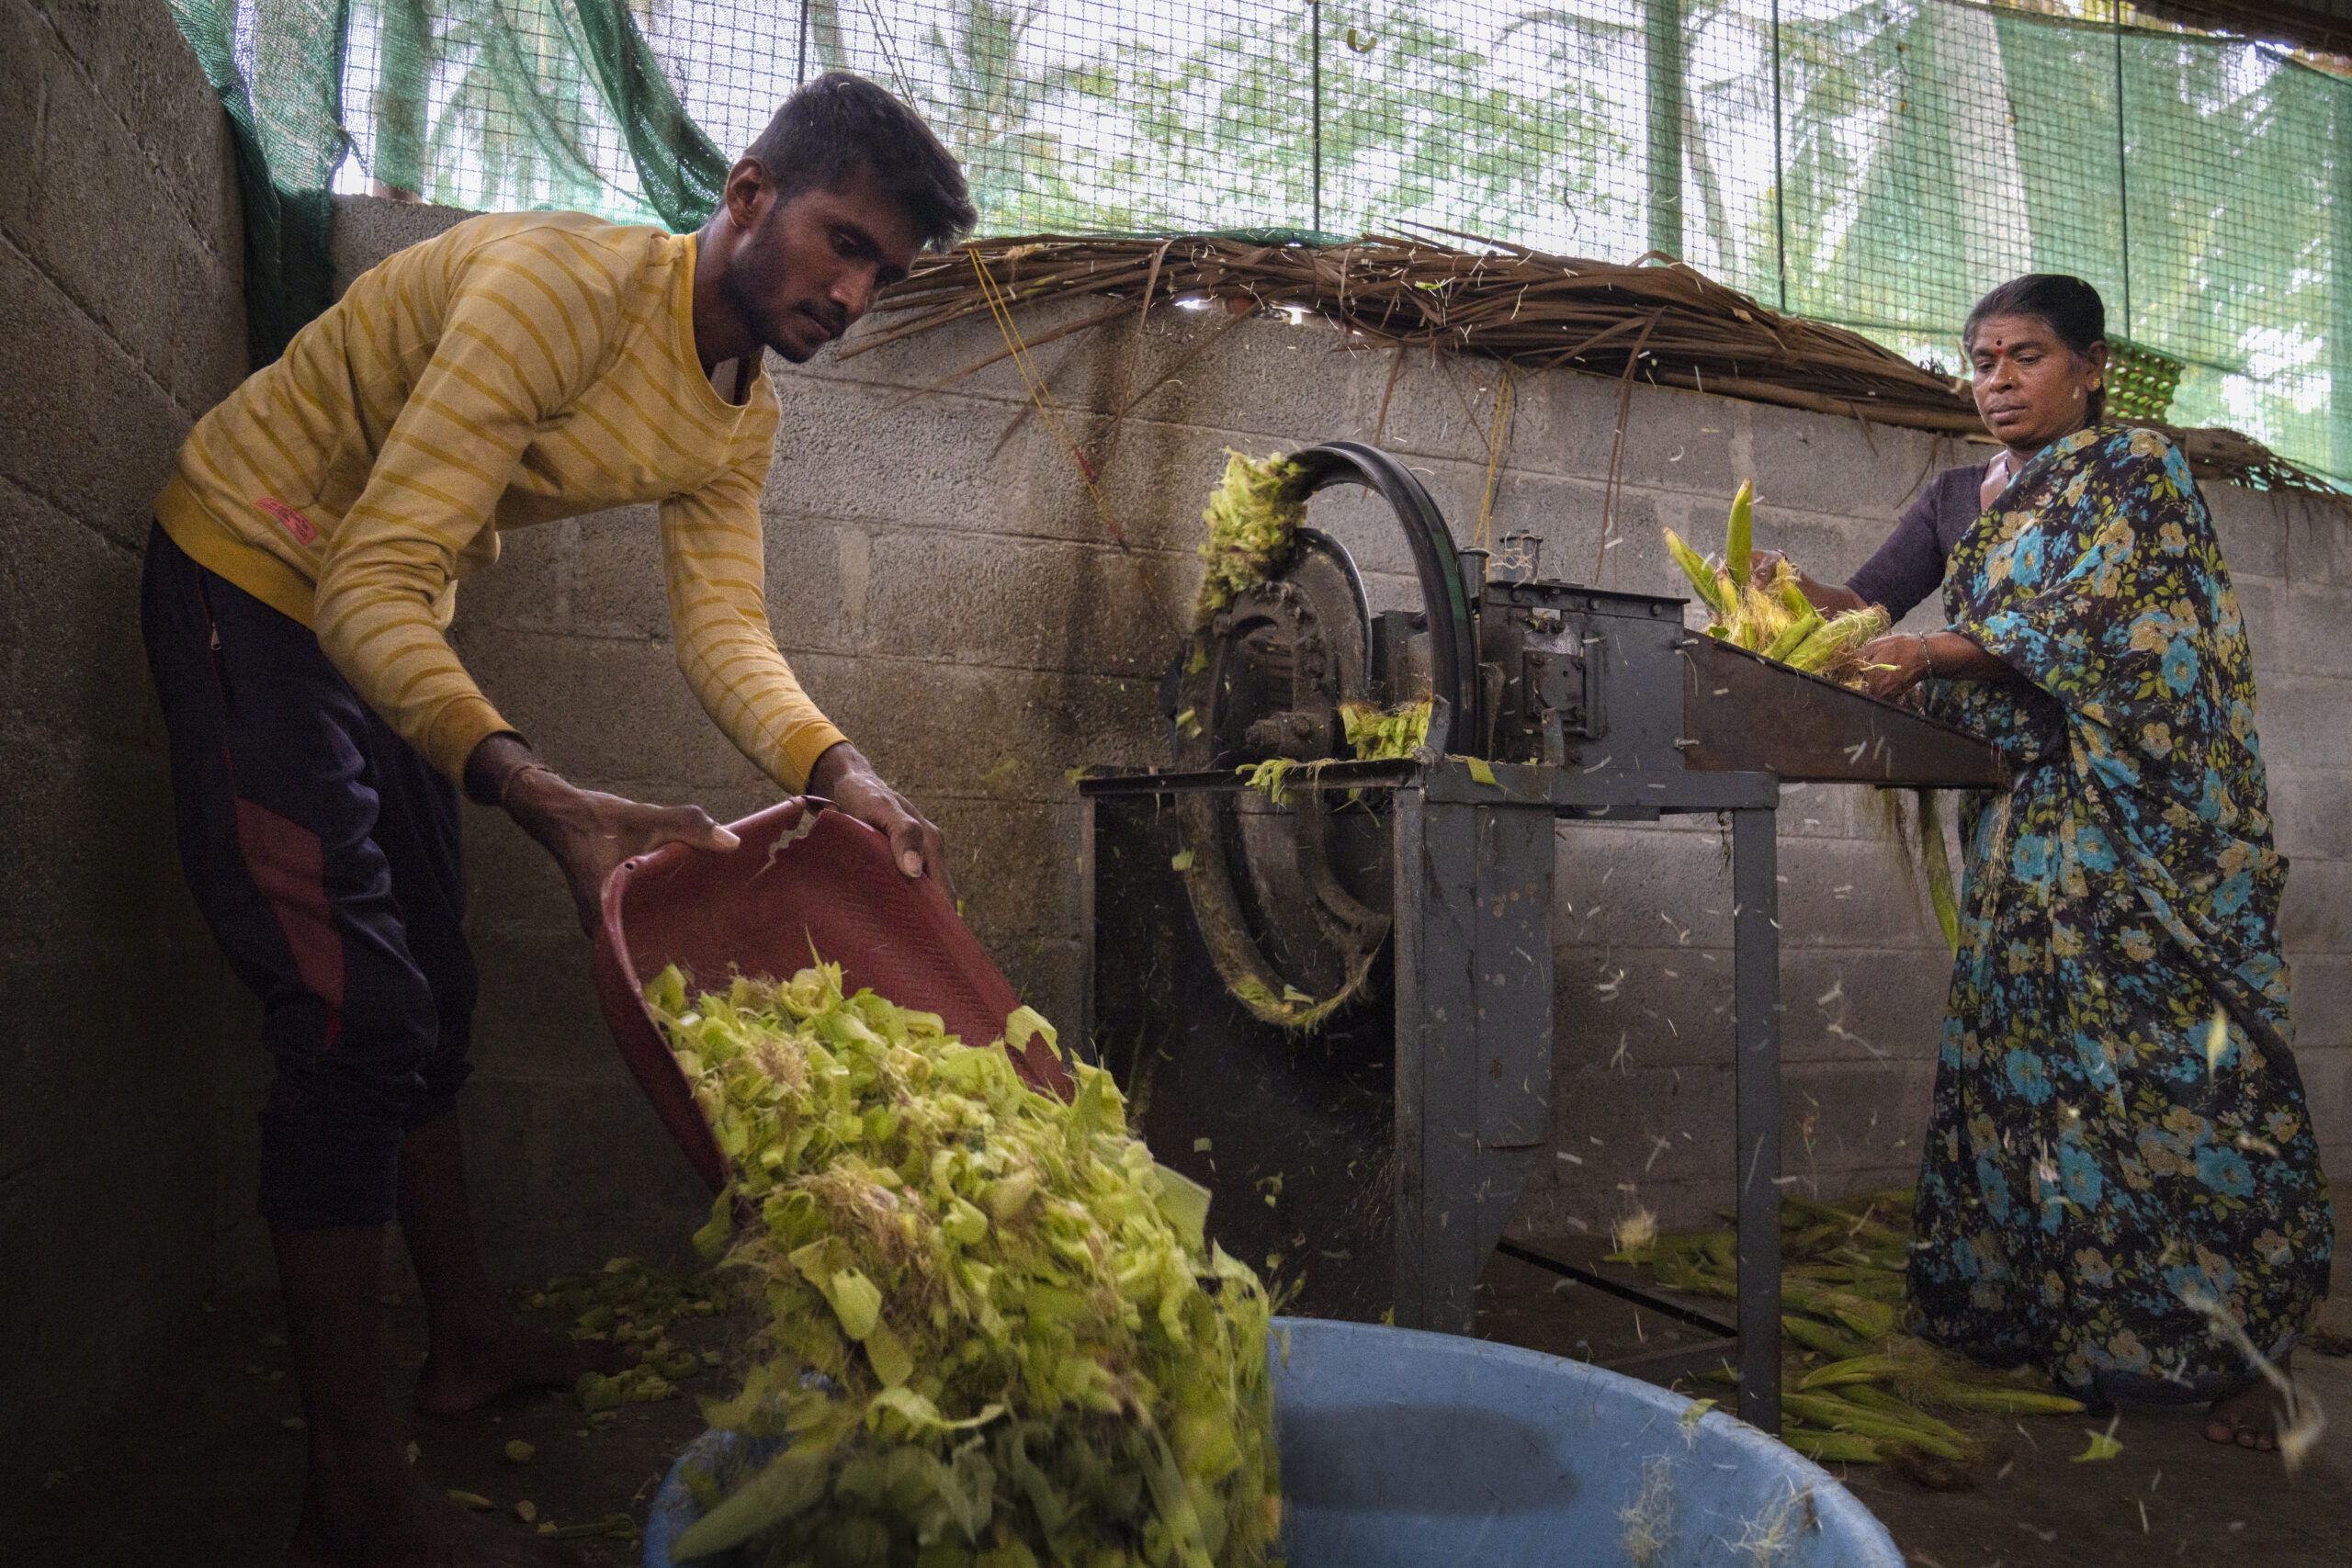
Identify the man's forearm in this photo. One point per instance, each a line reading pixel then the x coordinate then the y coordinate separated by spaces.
pixel 834 763
pixel 493 764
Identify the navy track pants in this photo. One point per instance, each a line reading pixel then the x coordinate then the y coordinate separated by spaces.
pixel 323 852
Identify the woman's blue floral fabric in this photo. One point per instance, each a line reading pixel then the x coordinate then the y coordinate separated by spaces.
pixel 2119 1143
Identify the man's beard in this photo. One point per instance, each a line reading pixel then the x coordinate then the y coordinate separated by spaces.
pixel 766 323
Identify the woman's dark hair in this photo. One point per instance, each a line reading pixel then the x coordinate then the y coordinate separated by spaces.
pixel 2071 307
pixel 840 125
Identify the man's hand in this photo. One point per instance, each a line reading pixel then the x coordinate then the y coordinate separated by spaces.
pixel 845 777
pixel 590 833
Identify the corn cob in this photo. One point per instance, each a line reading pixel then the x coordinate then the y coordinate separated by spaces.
pixel 1739 538
pixel 1703 581
pixel 1887 1404
pixel 1789 641
pixel 2001 1400
pixel 1821 1410
pixel 1816 1336
pixel 1830 1448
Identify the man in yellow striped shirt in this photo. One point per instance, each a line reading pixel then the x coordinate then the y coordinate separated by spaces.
pixel 299 585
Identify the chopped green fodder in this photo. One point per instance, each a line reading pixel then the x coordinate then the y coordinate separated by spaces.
pixel 1378 733
pixel 1254 518
pixel 993 1335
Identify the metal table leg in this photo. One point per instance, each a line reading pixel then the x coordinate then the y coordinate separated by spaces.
pixel 1474 1038
pixel 1755 990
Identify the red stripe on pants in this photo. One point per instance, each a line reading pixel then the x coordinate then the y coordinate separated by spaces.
pixel 288 865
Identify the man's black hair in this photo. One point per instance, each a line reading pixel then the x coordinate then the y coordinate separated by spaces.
pixel 840 125
pixel 2071 307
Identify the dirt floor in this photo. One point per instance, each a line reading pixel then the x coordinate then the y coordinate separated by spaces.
pixel 207 1468
pixel 2168 1495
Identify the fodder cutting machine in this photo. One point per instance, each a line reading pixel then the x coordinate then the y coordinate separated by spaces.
pixel 1405 905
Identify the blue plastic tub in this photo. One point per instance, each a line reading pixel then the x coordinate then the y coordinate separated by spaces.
pixel 1403 1449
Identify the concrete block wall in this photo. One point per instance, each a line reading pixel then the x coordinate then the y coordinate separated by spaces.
pixel 956 600
pixel 121 322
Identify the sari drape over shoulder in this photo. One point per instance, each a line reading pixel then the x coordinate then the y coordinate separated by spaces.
pixel 2119 1143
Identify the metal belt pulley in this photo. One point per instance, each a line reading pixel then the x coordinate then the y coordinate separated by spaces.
pixel 1292 893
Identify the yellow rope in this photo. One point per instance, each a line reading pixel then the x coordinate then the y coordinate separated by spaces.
pixel 1001 307
pixel 1497 433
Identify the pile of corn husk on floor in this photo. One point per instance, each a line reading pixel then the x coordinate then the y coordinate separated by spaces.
pixel 993 1334
pixel 1855 1388
pixel 630 1302
pixel 1773 617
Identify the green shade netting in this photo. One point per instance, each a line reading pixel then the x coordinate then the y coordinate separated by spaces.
pixel 1874 162
pixel 486 104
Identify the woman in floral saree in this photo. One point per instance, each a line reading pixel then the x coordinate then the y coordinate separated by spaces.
pixel 2119 1146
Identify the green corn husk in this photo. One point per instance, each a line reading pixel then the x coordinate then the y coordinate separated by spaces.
pixel 993 1332
pixel 1874 1366
pixel 1833 650
pixel 1254 518
pixel 1713 590
pixel 1739 535
pixel 1938 867
pixel 2001 1400
pixel 1841 1290
pixel 1814 1334
pixel 1873 1320
pixel 1836 1415
pixel 1772 619
pixel 1877 1399
pixel 1830 1448
pixel 1789 641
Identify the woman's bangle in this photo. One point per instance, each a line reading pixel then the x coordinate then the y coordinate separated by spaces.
pixel 1928 657
pixel 506 785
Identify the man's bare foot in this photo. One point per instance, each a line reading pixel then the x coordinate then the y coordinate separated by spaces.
pixel 416 1527
pixel 469 1374
pixel 2248 1418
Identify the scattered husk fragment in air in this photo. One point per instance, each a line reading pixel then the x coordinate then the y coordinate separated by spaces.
pixel 993 1332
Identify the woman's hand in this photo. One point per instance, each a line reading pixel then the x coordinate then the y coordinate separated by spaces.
pixel 1828 599
pixel 845 777
pixel 1894 663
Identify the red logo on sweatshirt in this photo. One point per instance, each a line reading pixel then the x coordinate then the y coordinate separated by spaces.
pixel 305 532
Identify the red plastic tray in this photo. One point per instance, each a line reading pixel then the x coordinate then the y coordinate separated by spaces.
pixel 806 880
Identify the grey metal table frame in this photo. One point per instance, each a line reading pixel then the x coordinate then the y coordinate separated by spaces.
pixel 1472 871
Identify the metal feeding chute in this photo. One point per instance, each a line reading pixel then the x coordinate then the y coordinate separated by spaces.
pixel 1290 889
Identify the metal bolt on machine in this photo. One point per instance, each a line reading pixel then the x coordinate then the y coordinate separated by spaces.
pixel 1395 1137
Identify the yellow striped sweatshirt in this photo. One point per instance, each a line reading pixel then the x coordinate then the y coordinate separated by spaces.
pixel 517 369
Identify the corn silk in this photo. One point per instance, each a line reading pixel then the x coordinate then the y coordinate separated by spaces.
pixel 995 1333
